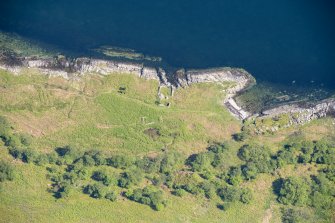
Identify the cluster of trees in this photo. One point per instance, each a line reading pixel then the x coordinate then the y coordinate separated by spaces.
pixel 317 192
pixel 149 196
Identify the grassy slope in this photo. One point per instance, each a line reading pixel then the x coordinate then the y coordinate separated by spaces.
pixel 91 114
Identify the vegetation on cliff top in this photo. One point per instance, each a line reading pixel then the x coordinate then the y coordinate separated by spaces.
pixel 69 141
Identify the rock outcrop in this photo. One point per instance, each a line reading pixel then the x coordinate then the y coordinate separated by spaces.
pixel 299 114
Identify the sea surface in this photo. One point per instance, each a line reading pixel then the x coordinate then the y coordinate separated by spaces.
pixel 277 41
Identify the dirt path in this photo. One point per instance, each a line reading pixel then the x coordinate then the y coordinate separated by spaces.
pixel 268 215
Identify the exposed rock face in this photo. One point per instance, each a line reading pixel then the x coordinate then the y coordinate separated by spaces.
pixel 239 77
pixel 301 115
pixel 150 73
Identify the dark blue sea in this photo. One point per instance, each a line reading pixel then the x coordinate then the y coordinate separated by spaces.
pixel 278 41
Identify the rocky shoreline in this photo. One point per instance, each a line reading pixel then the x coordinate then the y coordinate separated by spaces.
pixel 240 80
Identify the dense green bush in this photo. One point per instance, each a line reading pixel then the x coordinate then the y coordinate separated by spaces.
pixel 171 161
pixel 294 191
pixel 291 216
pixel 259 156
pixel 120 161
pixel 67 155
pixel 104 178
pixel 130 178
pixel 112 196
pixel 229 194
pixel 149 165
pixel 6 171
pixel 234 176
pixel 148 196
pixel 95 190
pixel 241 136
pixel 179 192
pixel 5 129
pixel 202 161
pixel 286 156
pixel 99 159
pixel 324 153
pixel 246 196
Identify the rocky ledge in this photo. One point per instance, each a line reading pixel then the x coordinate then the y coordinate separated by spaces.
pixel 239 80
pixel 73 68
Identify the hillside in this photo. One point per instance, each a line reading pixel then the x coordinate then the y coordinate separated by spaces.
pixel 119 115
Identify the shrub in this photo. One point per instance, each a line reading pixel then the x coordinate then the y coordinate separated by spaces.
pixel 41 159
pixel 324 153
pixel 241 136
pixel 120 161
pixel 130 178
pixel 95 190
pixel 63 192
pixel 99 159
pixel 230 194
pixel 88 160
pixel 25 139
pixel 246 196
pixel 29 156
pixel 104 178
pixel 149 196
pixel 249 171
pixel 6 171
pixel 294 191
pixel 179 192
pixel 202 161
pixel 209 189
pixel 112 196
pixel 67 155
pixel 149 165
pixel 258 155
pixel 170 162
pixel 285 157
pixel 5 129
pixel 234 176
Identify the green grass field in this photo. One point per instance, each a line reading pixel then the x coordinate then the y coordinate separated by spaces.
pixel 91 113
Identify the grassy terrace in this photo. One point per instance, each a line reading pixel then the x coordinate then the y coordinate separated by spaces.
pixel 92 113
